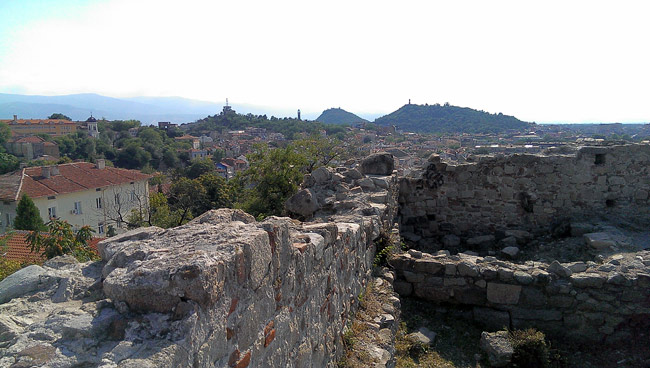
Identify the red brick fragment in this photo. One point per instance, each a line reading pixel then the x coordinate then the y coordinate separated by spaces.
pixel 234 357
pixel 229 333
pixel 245 361
pixel 268 328
pixel 233 305
pixel 269 338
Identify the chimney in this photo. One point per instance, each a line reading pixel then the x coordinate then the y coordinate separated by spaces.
pixel 54 170
pixel 15 117
pixel 101 164
pixel 45 171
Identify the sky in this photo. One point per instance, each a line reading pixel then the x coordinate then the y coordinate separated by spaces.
pixel 543 61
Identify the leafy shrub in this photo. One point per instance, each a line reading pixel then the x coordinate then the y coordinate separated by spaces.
pixel 530 349
pixel 7 267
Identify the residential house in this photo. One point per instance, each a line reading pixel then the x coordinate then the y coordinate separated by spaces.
pixel 188 138
pixel 81 193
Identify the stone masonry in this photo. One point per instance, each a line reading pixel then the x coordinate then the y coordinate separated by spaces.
pixel 221 291
pixel 527 192
pixel 584 301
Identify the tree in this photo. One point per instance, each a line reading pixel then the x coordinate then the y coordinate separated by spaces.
pixel 133 157
pixel 275 175
pixel 59 116
pixel 217 193
pixel 8 163
pixel 199 167
pixel 27 215
pixel 188 197
pixel 157 214
pixel 318 151
pixel 218 155
pixel 60 239
pixel 5 134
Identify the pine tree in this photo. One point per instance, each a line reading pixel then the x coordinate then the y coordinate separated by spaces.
pixel 27 215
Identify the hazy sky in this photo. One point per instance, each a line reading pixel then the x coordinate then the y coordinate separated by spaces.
pixel 543 61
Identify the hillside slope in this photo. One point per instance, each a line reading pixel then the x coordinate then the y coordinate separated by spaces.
pixel 339 116
pixel 449 119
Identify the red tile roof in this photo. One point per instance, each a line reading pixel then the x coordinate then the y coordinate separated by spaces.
pixel 72 177
pixel 30 139
pixel 18 249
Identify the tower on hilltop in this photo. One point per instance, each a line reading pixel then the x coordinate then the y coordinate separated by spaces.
pixel 227 109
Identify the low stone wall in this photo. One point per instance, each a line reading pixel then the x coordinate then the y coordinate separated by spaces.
pixel 582 301
pixel 525 192
pixel 220 291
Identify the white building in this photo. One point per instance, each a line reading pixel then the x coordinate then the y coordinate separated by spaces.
pixel 81 193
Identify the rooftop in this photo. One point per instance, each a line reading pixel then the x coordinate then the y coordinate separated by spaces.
pixel 72 177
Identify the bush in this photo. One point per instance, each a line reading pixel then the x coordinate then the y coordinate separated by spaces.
pixel 7 267
pixel 530 349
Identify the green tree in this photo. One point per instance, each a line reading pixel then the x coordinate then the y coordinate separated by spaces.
pixel 157 214
pixel 58 115
pixel 318 151
pixel 217 192
pixel 188 197
pixel 133 157
pixel 27 215
pixel 275 175
pixel 5 134
pixel 199 167
pixel 218 155
pixel 8 163
pixel 60 239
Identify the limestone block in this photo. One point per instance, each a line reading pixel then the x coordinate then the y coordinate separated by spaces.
pixel 498 348
pixel 503 293
pixel 381 163
pixel 20 282
pixel 558 269
pixel 599 240
pixel 321 175
pixel 587 279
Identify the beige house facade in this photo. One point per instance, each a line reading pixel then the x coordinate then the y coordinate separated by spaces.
pixel 79 193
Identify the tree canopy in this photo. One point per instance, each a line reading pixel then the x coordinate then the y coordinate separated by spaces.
pixel 27 215
pixel 58 115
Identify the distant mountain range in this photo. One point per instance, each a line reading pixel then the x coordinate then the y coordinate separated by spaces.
pixel 148 110
pixel 339 116
pixel 449 119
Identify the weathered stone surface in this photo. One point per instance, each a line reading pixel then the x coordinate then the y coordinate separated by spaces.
pixel 497 347
pixel 510 251
pixel 321 175
pixel 423 335
pixel 450 240
pixel 303 203
pixel 491 318
pixel 558 269
pixel 503 293
pixel 20 283
pixel 587 279
pixel 599 240
pixel 378 164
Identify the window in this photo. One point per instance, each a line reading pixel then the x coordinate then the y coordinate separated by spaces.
pixel 8 220
pixel 117 198
pixel 77 208
pixel 100 227
pixel 51 212
pixel 98 202
pixel 133 196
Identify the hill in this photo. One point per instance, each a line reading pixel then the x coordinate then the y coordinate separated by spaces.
pixel 148 110
pixel 339 116
pixel 449 119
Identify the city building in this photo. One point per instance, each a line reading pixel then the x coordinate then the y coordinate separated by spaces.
pixel 81 193
pixel 53 127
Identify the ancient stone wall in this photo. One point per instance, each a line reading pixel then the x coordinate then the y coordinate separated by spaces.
pixel 525 192
pixel 221 291
pixel 584 301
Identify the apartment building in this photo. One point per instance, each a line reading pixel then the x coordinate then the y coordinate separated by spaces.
pixel 81 193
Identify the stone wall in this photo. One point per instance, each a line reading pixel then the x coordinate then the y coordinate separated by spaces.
pixel 221 291
pixel 583 301
pixel 525 192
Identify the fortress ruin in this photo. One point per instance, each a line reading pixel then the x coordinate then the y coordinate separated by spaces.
pixel 225 290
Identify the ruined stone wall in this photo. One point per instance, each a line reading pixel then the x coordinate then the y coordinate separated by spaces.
pixel 583 301
pixel 526 191
pixel 221 291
